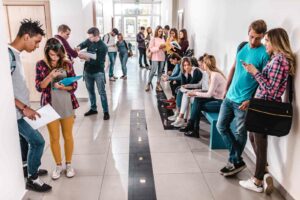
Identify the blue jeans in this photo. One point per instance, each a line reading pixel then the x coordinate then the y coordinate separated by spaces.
pixel 35 142
pixel 235 141
pixel 156 66
pixel 112 59
pixel 90 80
pixel 123 59
pixel 179 98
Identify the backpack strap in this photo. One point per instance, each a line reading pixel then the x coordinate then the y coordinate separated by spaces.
pixel 290 88
pixel 241 46
pixel 12 60
pixel 106 35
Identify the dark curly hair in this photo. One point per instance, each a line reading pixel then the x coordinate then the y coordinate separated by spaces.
pixel 32 28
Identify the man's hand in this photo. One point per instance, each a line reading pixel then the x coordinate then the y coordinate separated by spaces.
pixel 30 113
pixel 244 105
pixel 83 57
pixel 77 49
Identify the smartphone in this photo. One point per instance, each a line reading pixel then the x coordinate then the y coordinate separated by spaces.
pixel 243 62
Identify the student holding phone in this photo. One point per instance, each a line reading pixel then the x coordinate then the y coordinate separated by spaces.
pixel 49 71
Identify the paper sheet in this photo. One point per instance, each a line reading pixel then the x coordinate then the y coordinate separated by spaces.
pixel 88 54
pixel 48 114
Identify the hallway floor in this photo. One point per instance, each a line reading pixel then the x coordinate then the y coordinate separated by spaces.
pixel 183 168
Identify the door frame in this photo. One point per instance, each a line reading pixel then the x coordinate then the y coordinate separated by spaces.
pixel 45 3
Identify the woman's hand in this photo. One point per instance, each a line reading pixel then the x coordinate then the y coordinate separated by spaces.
pixel 162 46
pixel 184 86
pixel 165 77
pixel 250 68
pixel 59 86
pixel 54 73
pixel 192 94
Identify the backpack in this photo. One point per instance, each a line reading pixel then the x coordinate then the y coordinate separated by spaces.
pixel 108 38
pixel 12 60
pixel 241 46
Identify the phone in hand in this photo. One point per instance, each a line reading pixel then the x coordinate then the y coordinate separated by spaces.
pixel 243 63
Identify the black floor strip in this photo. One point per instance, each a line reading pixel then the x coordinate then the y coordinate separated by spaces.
pixel 141 180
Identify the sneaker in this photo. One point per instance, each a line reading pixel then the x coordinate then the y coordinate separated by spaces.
pixel 250 185
pixel 171 100
pixel 173 117
pixel 232 169
pixel 125 78
pixel 193 133
pixel 57 172
pixel 178 123
pixel 147 88
pixel 121 77
pixel 268 184
pixel 171 106
pixel 115 77
pixel 70 171
pixel 158 88
pixel 142 66
pixel 37 185
pixel 91 112
pixel 106 116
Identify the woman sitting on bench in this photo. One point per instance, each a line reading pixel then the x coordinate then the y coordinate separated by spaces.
pixel 209 101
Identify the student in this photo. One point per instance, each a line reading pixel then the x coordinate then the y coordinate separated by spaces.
pixel 189 75
pixel 241 88
pixel 183 42
pixel 173 37
pixel 32 142
pixel 157 45
pixel 147 41
pixel 94 71
pixel 123 48
pixel 166 32
pixel 272 83
pixel 140 38
pixel 110 40
pixel 210 100
pixel 54 67
pixel 63 35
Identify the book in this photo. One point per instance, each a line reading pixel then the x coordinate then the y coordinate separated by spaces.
pixel 88 54
pixel 175 44
pixel 69 80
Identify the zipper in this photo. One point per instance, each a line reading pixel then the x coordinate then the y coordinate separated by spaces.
pixel 268 113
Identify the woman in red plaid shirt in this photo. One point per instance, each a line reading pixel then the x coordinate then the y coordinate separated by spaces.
pixel 272 84
pixel 49 71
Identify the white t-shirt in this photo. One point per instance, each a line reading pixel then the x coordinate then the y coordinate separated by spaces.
pixel 21 91
pixel 110 42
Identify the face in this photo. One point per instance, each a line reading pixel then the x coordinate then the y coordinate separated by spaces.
pixel 255 39
pixel 187 67
pixel 268 45
pixel 160 32
pixel 172 34
pixel 53 56
pixel 120 37
pixel 93 38
pixel 149 30
pixel 204 66
pixel 113 34
pixel 32 43
pixel 200 63
pixel 181 35
pixel 166 31
pixel 66 34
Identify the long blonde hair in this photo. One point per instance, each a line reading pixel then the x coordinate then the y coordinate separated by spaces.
pixel 280 42
pixel 211 64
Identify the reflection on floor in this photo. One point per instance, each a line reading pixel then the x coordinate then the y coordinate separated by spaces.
pixel 184 168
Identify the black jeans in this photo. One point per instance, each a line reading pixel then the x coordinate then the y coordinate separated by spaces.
pixel 173 87
pixel 142 53
pixel 260 144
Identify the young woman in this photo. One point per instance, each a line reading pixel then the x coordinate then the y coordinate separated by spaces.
pixel 183 42
pixel 173 37
pixel 123 48
pixel 189 75
pixel 147 41
pixel 272 84
pixel 157 46
pixel 209 100
pixel 54 67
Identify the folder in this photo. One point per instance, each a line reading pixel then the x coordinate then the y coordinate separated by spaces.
pixel 69 80
pixel 175 44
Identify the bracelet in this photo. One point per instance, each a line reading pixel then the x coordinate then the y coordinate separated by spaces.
pixel 23 109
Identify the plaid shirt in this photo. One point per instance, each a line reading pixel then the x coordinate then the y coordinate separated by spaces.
pixel 273 79
pixel 42 71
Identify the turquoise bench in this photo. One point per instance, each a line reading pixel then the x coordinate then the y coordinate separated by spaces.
pixel 216 140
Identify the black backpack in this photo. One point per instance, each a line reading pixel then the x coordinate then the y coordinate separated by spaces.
pixel 12 60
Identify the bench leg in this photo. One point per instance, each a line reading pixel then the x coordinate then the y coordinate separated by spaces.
pixel 216 140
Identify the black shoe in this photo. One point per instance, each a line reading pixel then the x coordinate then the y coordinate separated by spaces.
pixel 192 133
pixel 106 116
pixel 142 66
pixel 232 169
pixel 91 112
pixel 188 127
pixel 41 172
pixel 37 185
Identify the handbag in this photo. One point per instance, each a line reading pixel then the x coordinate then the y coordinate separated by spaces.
pixel 128 47
pixel 270 117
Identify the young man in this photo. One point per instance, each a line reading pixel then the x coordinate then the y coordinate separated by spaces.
pixel 110 40
pixel 32 142
pixel 166 32
pixel 140 38
pixel 63 35
pixel 241 88
pixel 94 70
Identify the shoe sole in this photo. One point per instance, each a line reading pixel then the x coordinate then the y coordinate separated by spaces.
pixel 32 189
pixel 234 172
pixel 270 187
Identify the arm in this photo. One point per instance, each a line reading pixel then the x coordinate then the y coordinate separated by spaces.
pixel 152 46
pixel 42 77
pixel 212 88
pixel 197 76
pixel 26 111
pixel 84 44
pixel 105 40
pixel 140 39
pixel 176 74
pixel 230 76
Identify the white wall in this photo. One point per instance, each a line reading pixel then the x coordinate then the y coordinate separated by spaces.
pixel 11 174
pixel 218 27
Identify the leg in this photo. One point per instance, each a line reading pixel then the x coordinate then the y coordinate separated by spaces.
pixel 124 62
pixel 153 70
pixel 140 56
pixel 24 149
pixel 145 57
pixel 179 99
pixel 160 71
pixel 54 133
pixel 261 142
pixel 111 63
pixel 90 86
pixel 67 131
pixel 100 81
pixel 36 146
pixel 184 104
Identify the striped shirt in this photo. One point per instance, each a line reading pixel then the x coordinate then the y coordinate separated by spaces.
pixel 273 79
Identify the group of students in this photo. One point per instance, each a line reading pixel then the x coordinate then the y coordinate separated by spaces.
pixel 56 65
pixel 259 71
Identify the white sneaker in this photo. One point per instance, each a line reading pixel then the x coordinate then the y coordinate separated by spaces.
pixel 70 171
pixel 178 123
pixel 250 185
pixel 173 117
pixel 112 79
pixel 268 184
pixel 57 172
